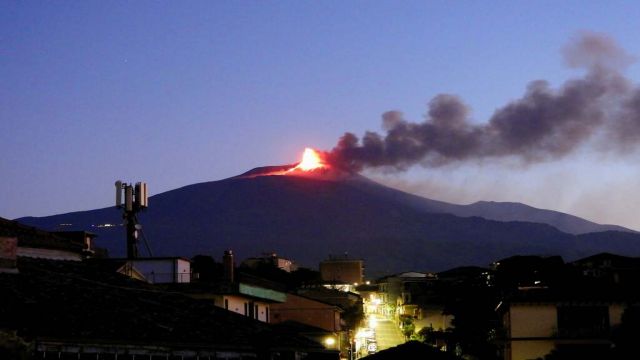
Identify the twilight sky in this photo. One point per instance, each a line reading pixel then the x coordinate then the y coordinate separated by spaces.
pixel 174 93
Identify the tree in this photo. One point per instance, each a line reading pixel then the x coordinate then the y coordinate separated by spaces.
pixel 353 315
pixel 13 346
pixel 474 319
pixel 207 268
pixel 407 325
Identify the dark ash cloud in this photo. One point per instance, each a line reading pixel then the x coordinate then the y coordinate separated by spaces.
pixel 544 124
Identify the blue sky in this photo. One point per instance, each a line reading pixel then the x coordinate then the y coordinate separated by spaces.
pixel 174 93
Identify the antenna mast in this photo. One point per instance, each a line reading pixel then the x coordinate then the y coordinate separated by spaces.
pixel 135 200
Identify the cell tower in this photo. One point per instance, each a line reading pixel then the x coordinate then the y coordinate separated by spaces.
pixel 135 200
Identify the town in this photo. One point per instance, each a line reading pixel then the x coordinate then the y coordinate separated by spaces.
pixel 63 299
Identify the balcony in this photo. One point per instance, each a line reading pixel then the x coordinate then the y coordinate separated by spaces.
pixel 585 332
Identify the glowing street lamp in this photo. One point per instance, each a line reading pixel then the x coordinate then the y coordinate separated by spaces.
pixel 330 341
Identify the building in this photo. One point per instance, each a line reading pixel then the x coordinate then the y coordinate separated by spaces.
pixel 343 299
pixel 529 270
pixel 156 270
pixel 332 310
pixel 35 243
pixel 537 321
pixel 611 268
pixel 239 297
pixel 271 260
pixel 371 298
pixel 330 339
pixel 307 311
pixel 312 314
pixel 394 290
pixel 239 293
pixel 350 303
pixel 342 270
pixel 74 309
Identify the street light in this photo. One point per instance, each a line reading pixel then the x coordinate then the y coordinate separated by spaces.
pixel 330 341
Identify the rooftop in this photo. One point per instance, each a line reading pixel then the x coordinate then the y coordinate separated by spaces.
pixel 98 306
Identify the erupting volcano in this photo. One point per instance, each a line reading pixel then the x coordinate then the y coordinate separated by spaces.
pixel 311 160
pixel 313 164
pixel 314 208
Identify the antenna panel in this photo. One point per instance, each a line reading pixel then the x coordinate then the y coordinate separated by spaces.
pixel 128 198
pixel 118 194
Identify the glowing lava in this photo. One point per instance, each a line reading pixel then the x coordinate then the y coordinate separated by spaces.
pixel 313 164
pixel 311 160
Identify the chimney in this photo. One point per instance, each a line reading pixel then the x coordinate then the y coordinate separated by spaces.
pixel 227 264
pixel 8 255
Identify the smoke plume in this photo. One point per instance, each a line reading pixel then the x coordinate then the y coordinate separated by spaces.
pixel 544 124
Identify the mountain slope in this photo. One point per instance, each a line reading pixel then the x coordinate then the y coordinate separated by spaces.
pixel 510 211
pixel 307 218
pixel 501 211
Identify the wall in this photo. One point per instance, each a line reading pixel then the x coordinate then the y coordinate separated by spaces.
pixel 433 317
pixel 306 311
pixel 536 325
pixel 533 321
pixel 342 271
pixel 237 305
pixel 183 271
pixel 161 270
pixel 48 254
pixel 533 349
pixel 8 255
pixel 615 314
pixel 156 271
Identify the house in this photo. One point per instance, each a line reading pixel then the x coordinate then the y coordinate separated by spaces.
pixel 371 298
pixel 332 310
pixel 155 270
pixel 616 269
pixel 75 309
pixel 307 311
pixel 350 303
pixel 271 260
pixel 465 276
pixel 529 271
pixel 344 299
pixel 342 270
pixel 81 237
pixel 537 321
pixel 395 290
pixel 37 243
pixel 330 339
pixel 240 297
pixel 239 293
pixel 299 309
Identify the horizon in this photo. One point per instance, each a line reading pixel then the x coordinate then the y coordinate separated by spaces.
pixel 380 179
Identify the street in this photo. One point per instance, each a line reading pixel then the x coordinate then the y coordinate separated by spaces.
pixel 387 333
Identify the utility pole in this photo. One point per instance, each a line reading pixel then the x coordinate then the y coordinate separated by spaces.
pixel 135 200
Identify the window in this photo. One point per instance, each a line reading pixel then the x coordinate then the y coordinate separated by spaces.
pixel 583 321
pixel 226 304
pixel 246 309
pixel 251 309
pixel 255 312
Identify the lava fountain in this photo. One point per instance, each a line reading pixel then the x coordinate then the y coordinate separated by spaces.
pixel 311 160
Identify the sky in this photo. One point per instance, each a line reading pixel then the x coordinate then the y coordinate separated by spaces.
pixel 176 93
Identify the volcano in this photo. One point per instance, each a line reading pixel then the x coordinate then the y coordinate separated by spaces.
pixel 309 214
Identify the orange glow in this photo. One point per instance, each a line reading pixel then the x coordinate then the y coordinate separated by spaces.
pixel 311 160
